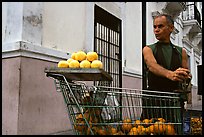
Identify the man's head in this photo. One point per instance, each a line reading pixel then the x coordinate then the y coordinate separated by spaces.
pixel 163 26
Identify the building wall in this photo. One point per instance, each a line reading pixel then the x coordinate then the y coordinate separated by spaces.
pixel 37 35
pixel 10 95
pixel 132 40
pixel 64 28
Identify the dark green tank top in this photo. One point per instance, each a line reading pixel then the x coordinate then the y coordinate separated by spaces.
pixel 167 52
pixel 168 56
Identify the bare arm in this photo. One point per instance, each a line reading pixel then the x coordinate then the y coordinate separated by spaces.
pixel 184 59
pixel 157 69
pixel 152 64
pixel 185 63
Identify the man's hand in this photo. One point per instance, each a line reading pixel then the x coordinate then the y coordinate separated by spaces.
pixel 179 74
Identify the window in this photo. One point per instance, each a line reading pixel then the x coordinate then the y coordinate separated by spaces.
pixel 107 43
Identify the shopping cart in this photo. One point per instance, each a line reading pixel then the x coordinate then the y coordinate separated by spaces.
pixel 103 110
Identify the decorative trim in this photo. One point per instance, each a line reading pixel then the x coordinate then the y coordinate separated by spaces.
pixel 131 73
pixel 24 49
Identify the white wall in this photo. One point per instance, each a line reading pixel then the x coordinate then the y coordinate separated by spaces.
pixel 4 18
pixel 64 26
pixel 12 22
pixel 133 37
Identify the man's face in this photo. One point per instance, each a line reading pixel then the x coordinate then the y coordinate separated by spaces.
pixel 162 29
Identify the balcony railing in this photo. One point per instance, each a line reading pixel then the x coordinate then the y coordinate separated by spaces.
pixel 191 13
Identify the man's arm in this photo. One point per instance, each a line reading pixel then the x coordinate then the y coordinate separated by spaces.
pixel 184 59
pixel 185 63
pixel 157 69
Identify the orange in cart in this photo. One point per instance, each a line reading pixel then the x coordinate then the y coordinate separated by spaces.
pixel 80 125
pixel 159 128
pixel 127 125
pixel 141 130
pixel 127 120
pixel 161 120
pixel 102 132
pixel 170 130
pixel 151 129
pixel 146 122
pixel 134 131
pixel 112 130
pixel 137 122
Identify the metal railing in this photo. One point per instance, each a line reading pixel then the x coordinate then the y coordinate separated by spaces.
pixel 191 13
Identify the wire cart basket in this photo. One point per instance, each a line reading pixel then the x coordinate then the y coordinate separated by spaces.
pixel 104 110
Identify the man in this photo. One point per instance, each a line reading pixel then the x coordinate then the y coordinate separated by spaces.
pixel 166 63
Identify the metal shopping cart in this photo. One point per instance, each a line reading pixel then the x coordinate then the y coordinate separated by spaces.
pixel 104 110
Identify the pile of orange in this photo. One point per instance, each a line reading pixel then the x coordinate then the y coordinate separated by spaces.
pixel 127 127
pixel 81 59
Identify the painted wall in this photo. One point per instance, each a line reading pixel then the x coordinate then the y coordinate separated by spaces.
pixel 10 95
pixel 30 102
pixel 31 105
pixel 64 26
pixel 133 38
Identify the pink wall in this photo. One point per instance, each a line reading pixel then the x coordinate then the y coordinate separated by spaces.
pixel 31 105
pixel 132 82
pixel 10 95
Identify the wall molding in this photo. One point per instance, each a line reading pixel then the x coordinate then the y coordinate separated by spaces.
pixel 25 49
pixel 131 73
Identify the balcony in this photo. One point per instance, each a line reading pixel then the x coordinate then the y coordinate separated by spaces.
pixel 192 20
pixel 191 13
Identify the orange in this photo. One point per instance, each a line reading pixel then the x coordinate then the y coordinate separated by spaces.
pixel 146 122
pixel 147 130
pixel 73 55
pixel 96 64
pixel 151 129
pixel 102 132
pixel 161 120
pixel 159 128
pixel 113 131
pixel 170 130
pixel 137 122
pixel 74 64
pixel 79 127
pixel 79 116
pixel 80 55
pixel 126 127
pixel 63 64
pixel 152 120
pixel 134 131
pixel 85 64
pixel 69 60
pixel 91 56
pixel 141 130
pixel 127 120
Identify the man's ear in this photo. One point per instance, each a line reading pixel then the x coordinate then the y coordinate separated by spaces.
pixel 171 27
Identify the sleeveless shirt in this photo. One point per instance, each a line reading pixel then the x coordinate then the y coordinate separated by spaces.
pixel 168 56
